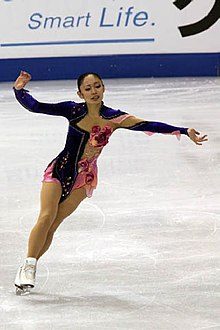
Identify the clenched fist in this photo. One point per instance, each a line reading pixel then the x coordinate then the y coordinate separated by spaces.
pixel 22 80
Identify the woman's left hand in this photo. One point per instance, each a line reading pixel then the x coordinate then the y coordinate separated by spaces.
pixel 196 137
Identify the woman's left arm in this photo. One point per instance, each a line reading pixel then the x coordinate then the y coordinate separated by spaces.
pixel 151 127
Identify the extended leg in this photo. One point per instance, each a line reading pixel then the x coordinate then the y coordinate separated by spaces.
pixel 50 196
pixel 64 210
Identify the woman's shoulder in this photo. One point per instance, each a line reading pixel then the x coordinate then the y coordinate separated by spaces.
pixel 110 113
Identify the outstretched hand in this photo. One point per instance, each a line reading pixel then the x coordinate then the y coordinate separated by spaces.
pixel 196 137
pixel 22 80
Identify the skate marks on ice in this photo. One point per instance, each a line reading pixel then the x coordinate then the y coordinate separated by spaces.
pixel 161 268
pixel 160 263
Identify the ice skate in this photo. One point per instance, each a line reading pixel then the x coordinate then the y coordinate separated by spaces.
pixel 24 291
pixel 25 277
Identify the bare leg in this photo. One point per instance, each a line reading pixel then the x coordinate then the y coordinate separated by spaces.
pixel 50 196
pixel 64 210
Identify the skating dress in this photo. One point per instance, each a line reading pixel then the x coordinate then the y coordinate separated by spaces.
pixel 76 164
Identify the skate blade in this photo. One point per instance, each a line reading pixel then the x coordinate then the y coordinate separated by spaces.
pixel 23 291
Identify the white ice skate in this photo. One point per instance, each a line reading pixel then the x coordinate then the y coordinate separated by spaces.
pixel 25 277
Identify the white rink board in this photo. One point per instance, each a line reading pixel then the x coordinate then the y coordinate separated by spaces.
pixel 38 28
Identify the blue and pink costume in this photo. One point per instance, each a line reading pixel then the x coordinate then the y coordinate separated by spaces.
pixel 76 165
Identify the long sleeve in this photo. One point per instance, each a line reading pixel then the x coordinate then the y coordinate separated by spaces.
pixel 150 127
pixel 31 104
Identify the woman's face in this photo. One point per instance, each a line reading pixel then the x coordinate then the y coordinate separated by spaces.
pixel 91 90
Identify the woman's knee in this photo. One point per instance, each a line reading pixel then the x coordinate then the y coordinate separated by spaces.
pixel 45 220
pixel 65 209
pixel 57 222
pixel 53 229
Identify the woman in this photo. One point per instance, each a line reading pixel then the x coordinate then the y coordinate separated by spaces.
pixel 72 175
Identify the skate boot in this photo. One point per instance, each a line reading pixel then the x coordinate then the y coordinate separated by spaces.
pixel 25 278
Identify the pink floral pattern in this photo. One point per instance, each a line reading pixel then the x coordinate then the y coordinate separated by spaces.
pixel 99 136
pixel 83 165
pixel 87 175
pixel 85 168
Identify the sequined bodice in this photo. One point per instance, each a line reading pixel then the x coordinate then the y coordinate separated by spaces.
pixel 98 139
pixel 90 151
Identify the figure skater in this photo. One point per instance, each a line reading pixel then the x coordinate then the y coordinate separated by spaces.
pixel 72 175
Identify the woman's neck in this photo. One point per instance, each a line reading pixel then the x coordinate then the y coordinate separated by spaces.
pixel 94 110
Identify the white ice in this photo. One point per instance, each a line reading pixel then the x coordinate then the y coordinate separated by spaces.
pixel 144 252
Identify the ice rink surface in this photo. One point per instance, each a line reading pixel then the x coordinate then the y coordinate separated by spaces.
pixel 144 252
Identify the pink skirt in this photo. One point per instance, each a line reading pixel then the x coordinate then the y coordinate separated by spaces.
pixel 87 175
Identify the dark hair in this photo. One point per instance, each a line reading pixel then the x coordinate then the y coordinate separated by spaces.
pixel 84 75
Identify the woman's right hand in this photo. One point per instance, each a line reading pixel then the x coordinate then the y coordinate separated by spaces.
pixel 22 80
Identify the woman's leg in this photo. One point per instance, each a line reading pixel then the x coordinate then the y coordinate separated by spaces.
pixel 50 196
pixel 67 207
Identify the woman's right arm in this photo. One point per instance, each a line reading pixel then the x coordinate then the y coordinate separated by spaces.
pixel 31 104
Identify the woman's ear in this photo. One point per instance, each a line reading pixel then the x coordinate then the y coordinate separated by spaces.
pixel 80 95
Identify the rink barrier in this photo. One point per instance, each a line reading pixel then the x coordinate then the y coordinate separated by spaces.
pixel 114 66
